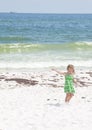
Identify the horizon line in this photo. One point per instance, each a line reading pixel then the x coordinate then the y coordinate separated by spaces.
pixel 14 12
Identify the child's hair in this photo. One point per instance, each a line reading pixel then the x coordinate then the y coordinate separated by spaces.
pixel 71 66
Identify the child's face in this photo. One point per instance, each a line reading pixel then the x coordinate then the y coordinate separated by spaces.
pixel 70 70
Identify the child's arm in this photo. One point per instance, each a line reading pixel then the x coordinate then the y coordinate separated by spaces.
pixel 59 72
pixel 77 82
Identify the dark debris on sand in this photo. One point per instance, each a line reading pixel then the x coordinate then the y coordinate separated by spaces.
pixel 23 81
pixel 51 81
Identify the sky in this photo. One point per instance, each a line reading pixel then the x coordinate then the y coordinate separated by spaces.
pixel 46 6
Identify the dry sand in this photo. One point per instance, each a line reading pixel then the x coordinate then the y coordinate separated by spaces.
pixel 35 101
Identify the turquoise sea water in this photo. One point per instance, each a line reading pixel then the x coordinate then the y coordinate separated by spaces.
pixel 44 40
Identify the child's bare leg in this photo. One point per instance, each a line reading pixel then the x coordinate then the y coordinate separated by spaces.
pixel 70 96
pixel 67 97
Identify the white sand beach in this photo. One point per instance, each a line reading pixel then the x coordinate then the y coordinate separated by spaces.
pixel 35 101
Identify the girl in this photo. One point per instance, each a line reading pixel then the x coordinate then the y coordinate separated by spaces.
pixel 69 81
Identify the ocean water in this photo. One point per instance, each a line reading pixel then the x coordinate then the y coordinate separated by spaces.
pixel 30 41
